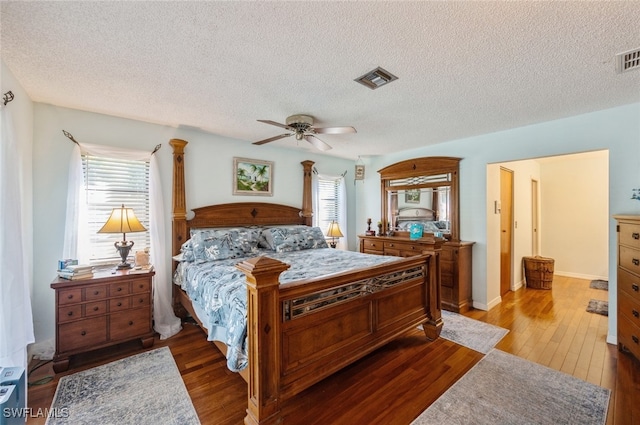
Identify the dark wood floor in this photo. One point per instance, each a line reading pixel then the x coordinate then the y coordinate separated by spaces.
pixel 396 383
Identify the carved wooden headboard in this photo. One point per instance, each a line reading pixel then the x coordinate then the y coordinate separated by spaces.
pixel 232 214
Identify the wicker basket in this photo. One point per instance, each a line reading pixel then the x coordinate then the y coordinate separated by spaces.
pixel 538 272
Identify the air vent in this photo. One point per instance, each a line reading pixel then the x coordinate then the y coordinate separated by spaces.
pixel 628 61
pixel 376 78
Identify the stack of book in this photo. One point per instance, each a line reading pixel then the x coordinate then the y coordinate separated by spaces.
pixel 76 272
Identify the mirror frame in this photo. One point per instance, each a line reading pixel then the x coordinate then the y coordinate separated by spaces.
pixel 425 166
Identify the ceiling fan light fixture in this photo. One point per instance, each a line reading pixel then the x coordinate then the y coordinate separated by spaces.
pixel 376 78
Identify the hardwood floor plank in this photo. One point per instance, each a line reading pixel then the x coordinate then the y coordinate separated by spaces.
pixel 394 384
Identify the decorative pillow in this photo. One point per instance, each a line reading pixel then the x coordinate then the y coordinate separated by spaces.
pixel 208 247
pixel 285 239
pixel 243 238
pixel 186 252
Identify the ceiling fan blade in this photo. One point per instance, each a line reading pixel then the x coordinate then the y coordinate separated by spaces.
pixel 317 142
pixel 272 139
pixel 277 124
pixel 334 130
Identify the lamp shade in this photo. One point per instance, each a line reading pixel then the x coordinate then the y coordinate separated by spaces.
pixel 122 220
pixel 334 230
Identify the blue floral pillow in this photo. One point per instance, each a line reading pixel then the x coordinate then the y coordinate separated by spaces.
pixel 243 239
pixel 219 246
pixel 286 239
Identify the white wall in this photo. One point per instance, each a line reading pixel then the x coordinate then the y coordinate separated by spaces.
pixel 209 174
pixel 573 197
pixel 616 130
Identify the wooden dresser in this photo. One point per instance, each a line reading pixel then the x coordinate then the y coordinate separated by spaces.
pixel 629 284
pixel 105 310
pixel 455 265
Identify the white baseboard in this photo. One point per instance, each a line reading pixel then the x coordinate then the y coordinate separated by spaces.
pixel 612 339
pixel 580 275
pixel 488 306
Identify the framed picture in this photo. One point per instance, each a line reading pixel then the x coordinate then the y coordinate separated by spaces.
pixel 412 196
pixel 359 172
pixel 252 177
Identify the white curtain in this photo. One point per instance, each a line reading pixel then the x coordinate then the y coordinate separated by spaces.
pixel 342 243
pixel 165 322
pixel 16 320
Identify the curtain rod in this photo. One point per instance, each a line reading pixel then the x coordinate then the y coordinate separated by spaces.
pixel 7 97
pixel 70 136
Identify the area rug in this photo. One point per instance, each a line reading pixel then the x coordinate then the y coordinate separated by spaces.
pixel 471 333
pixel 599 284
pixel 599 307
pixel 143 389
pixel 505 389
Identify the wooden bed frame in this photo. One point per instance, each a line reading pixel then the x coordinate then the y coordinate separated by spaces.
pixel 301 332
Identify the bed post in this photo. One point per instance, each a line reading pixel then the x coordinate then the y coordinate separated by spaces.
pixel 307 206
pixel 179 211
pixel 263 333
pixel 434 325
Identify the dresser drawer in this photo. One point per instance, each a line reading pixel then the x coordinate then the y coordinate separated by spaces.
pixel 629 308
pixel 141 285
pixel 406 249
pixel 121 303
pixel 140 300
pixel 95 293
pixel 69 296
pixel 95 308
pixel 629 259
pixel 629 284
pixel 121 288
pixel 83 333
pixel 370 245
pixel 629 235
pixel 68 313
pixel 629 335
pixel 130 324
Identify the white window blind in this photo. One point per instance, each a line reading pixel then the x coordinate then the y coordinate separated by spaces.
pixel 329 202
pixel 110 183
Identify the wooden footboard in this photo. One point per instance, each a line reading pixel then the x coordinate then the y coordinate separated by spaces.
pixel 302 332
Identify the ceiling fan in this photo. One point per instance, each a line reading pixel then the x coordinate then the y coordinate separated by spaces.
pixel 302 127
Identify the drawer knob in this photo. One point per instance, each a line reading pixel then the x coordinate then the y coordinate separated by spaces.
pixel 119 288
pixel 141 286
pixel 634 338
pixel 119 304
pixel 96 292
pixel 70 313
pixel 635 235
pixel 70 297
pixel 635 313
pixel 141 300
pixel 391 245
pixel 635 287
pixel 130 322
pixel 96 308
pixel 635 262
pixel 83 333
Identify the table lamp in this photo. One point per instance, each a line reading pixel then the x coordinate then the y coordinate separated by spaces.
pixel 123 220
pixel 334 232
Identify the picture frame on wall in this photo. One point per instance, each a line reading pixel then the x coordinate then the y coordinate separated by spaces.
pixel 252 177
pixel 412 196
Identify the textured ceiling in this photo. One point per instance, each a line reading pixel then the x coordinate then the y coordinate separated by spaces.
pixel 464 68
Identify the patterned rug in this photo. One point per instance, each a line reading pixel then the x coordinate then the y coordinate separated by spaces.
pixel 599 307
pixel 599 284
pixel 505 389
pixel 143 389
pixel 474 334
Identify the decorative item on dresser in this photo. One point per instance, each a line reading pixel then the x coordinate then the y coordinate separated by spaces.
pixel 101 311
pixel 425 191
pixel 629 283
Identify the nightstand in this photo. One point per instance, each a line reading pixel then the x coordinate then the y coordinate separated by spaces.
pixel 105 310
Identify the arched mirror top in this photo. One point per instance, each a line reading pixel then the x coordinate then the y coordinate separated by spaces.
pixel 424 191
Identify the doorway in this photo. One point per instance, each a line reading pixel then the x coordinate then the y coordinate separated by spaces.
pixel 506 226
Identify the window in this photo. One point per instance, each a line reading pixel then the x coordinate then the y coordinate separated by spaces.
pixel 329 201
pixel 110 183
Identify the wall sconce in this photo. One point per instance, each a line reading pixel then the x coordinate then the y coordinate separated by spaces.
pixel 123 220
pixel 334 232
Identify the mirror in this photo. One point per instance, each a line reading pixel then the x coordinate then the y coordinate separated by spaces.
pixel 423 191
